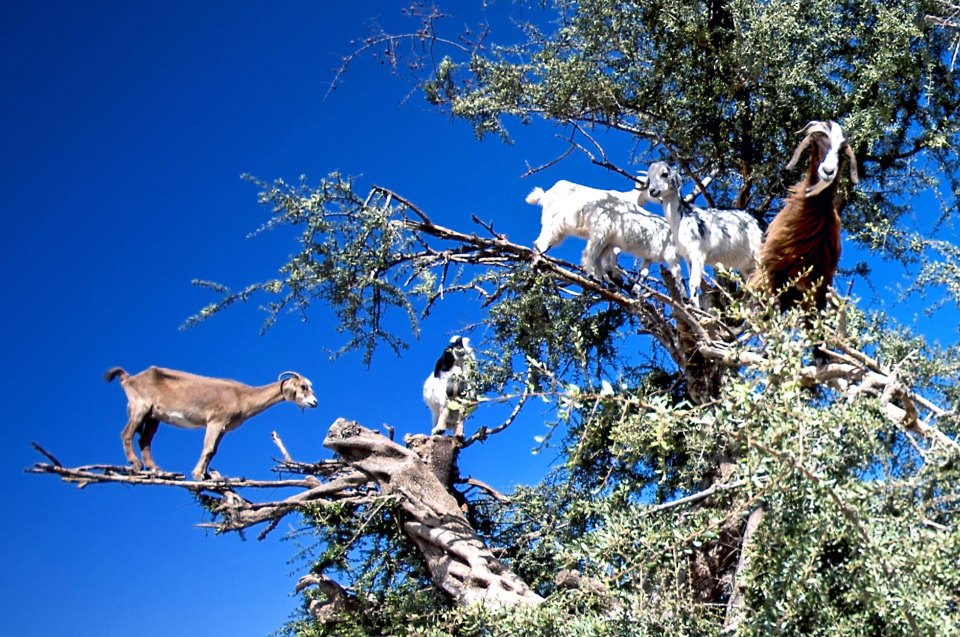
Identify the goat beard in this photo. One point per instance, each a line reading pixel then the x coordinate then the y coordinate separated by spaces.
pixel 818 187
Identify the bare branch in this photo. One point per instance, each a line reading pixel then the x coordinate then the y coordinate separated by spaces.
pixel 425 38
pixel 496 495
pixel 717 487
pixel 483 433
pixel 283 450
pixel 127 475
pixel 552 162
pixel 47 454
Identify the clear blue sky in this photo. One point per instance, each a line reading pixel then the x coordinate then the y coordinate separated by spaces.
pixel 124 128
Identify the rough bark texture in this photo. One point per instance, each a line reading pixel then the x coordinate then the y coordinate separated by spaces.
pixel 457 559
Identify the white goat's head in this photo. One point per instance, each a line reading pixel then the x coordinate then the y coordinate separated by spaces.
pixel 828 142
pixel 297 389
pixel 661 178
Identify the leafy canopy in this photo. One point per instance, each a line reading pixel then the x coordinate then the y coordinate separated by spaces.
pixel 859 534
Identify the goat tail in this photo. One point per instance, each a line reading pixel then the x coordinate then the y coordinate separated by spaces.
pixel 113 372
pixel 535 196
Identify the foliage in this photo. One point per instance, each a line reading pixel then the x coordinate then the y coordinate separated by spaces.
pixel 352 258
pixel 721 88
pixel 860 532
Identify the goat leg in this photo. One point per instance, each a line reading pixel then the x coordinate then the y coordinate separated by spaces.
pixel 211 442
pixel 147 431
pixel 134 424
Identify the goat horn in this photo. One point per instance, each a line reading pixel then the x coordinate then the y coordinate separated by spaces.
pixel 291 374
pixel 854 174
pixel 814 126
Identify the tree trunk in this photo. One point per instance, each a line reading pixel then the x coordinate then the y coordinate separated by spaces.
pixel 457 559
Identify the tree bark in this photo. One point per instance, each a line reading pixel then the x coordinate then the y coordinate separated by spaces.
pixel 456 558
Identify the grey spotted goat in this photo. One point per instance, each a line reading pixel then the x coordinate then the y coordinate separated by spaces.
pixel 704 236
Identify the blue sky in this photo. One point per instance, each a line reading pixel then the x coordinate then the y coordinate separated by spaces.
pixel 125 128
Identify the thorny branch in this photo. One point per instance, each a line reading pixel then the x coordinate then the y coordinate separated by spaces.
pixel 422 42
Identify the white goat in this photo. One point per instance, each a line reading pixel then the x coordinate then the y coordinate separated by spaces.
pixel 634 231
pixel 448 384
pixel 186 400
pixel 608 219
pixel 731 238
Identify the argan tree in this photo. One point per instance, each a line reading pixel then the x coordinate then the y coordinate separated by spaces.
pixel 716 477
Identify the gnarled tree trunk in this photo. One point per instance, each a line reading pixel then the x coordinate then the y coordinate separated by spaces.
pixel 457 559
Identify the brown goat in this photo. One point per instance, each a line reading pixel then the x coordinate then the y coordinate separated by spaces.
pixel 186 400
pixel 800 253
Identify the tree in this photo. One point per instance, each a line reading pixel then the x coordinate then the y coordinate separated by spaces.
pixel 681 463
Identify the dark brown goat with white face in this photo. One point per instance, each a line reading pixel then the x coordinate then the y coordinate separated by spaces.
pixel 802 248
pixel 186 400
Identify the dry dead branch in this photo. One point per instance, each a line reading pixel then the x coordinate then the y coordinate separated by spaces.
pixel 373 468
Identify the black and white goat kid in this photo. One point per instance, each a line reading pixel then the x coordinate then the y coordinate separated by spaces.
pixel 704 236
pixel 448 390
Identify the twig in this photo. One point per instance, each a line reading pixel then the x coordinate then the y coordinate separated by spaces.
pixel 47 454
pixel 283 450
pixel 483 433
pixel 552 162
pixel 488 226
pixel 700 495
pixel 935 525
pixel 603 161
pixel 406 202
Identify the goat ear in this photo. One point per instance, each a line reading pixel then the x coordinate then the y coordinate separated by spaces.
pixel 808 130
pixel 675 181
pixel 798 153
pixel 854 173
